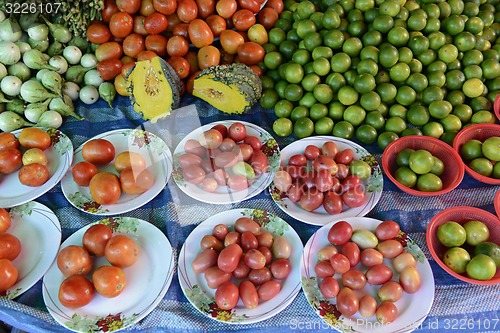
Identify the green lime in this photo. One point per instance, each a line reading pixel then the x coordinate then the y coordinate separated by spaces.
pixel 343 129
pixel 310 81
pixel 455 97
pixel 300 111
pixel 308 100
pixel 387 91
pixel 483 117
pixel 385 138
pixel 330 20
pixel 305 9
pixel 411 131
pixel 370 101
pixel 490 249
pixel 269 98
pixel 388 56
pixel 463 112
pixel 340 62
pixel 366 134
pixel 405 54
pixel 451 123
pixel 375 119
pixel 406 95
pixel 303 127
pixel 438 167
pixel 336 110
pixel 283 108
pixel 491 148
pixel 283 127
pixel 276 36
pixel 334 39
pixel 383 23
pixel 364 83
pixel 482 166
pixel 300 56
pixel 473 71
pixel 335 81
pixel 491 69
pixel 473 87
pixel 418 115
pixel 347 95
pixel 432 93
pixel 360 168
pixel 454 24
pixel 433 129
pixel 471 150
pixel 403 157
pixel 390 8
pixel 451 234
pixel 448 53
pixel 456 259
pixel 481 267
pixel 421 161
pixel 395 124
pixel 371 38
pixel 323 126
pixel 448 137
pixel 367 66
pixel 293 92
pixel 355 115
pixel 399 72
pixel 323 93
pixel 418 81
pixel 398 36
pixel 464 41
pixel 429 182
pixel 436 40
pixel 322 51
pixel 440 109
pixel 405 176
pixel 476 232
pixel 369 52
pixel 318 111
pixel 427 57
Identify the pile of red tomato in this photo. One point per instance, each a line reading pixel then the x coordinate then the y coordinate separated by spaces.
pixel 134 30
pixel 250 255
pixel 10 248
pixel 75 262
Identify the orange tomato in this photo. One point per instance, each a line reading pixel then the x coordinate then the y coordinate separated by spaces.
pixel 155 23
pixel 121 24
pixel 277 5
pixel 208 56
pixel 105 188
pixel 192 58
pixel 109 68
pixel 205 8
pixel 187 10
pixel 139 25
pixel 226 8
pixel 180 65
pixel 251 5
pixel 34 138
pixel 5 220
pixel 257 70
pixel 146 8
pixel 126 59
pixel 146 55
pixel 157 43
pixel 243 19
pixel 108 50
pixel 177 46
pixel 98 33
pixel 200 33
pixel 128 6
pixel 8 140
pixel 10 246
pixel 121 251
pixel 190 82
pixel 108 10
pixel 230 40
pixel 166 7
pixel 133 44
pixel 251 53
pixel 173 21
pixel 8 274
pixel 181 30
pixel 216 23
pixel 109 281
pixel 267 17
pixel 121 85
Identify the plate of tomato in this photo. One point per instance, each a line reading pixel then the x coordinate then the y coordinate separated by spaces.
pixel 143 281
pixel 117 171
pixel 225 162
pixel 361 274
pixel 33 231
pixel 32 163
pixel 241 266
pixel 350 183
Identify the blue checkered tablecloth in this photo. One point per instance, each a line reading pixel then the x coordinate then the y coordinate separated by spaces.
pixel 457 306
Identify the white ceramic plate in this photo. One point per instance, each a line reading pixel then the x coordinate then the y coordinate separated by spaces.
pixel 373 185
pixel 201 296
pixel 147 281
pixel 39 231
pixel 412 308
pixel 223 194
pixel 59 157
pixel 158 160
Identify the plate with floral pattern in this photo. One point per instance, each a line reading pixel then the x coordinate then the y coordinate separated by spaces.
pixel 59 156
pixel 148 280
pixel 412 308
pixel 223 194
pixel 39 231
pixel 373 185
pixel 202 297
pixel 158 160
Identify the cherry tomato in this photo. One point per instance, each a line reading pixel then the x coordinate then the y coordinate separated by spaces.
pixel 5 220
pixel 109 281
pixel 73 260
pixel 215 277
pixel 230 41
pixel 268 290
pixel 75 291
pixel 121 24
pixel 187 10
pixel 166 7
pixel 205 8
pixel 200 33
pixel 329 287
pixel 110 68
pixel 157 44
pixel 10 160
pixel 388 229
pixel 95 238
pixel 128 6
pixel 121 251
pixel 354 279
pixel 207 258
pixel 248 294
pixel 267 17
pixel 155 23
pixel 105 188
pixel 386 312
pixel 211 242
pixel 177 46
pixel 216 23
pixel 347 302
pixel 139 25
pixel 352 252
pixel 98 151
pixel 250 53
pixel 180 65
pixel 378 274
pixel 133 44
pixel 220 231
pixel 410 280
pixel 34 138
pixel 98 33
pixel 33 174
pixel 390 248
pixel 8 275
pixel 10 246
pixel 367 306
pixel 109 9
pixel 226 296
pixel 340 263
pixel 226 8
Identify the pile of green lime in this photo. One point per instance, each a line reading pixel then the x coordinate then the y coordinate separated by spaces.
pixel 483 157
pixel 483 258
pixel 376 70
pixel 419 169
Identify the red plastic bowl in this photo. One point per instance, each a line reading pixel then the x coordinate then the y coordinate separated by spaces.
pixel 462 214
pixel 496 106
pixel 453 166
pixel 480 132
pixel 496 203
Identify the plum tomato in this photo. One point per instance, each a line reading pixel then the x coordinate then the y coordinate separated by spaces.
pixel 129 160
pixel 367 306
pixel 105 188
pixel 33 175
pixel 34 155
pixel 267 17
pixel 210 139
pixel 344 157
pixel 8 140
pixel 371 257
pixel 226 159
pixel 388 229
pixel 248 294
pixel 188 159
pixel 268 290
pixel 265 239
pixel 354 279
pixel 98 33
pixel 237 131
pixel 211 242
pixel 135 183
pixel 390 248
pixel 226 296
pixel 205 8
pixel 10 160
pixel 327 252
pixel 378 274
pixel 404 260
pixel 242 270
pixel 282 180
pixel 192 146
pixel 329 287
pixel 354 198
pixel 410 280
pixel 243 19
pixel 5 220
pixel 232 237
pixel 311 199
pixel 98 151
pixel 222 129
pixel 10 246
pixel 95 238
pixel 311 152
pixel 295 192
pixel 259 162
pixel 227 144
pixel 390 291
pixel 248 241
pixel 74 260
pixel 237 182
pixel 255 259
pixel 128 6
pixel 340 233
pixel 352 252
pixel 200 33
pixel 267 254
pixel 207 258
pixel 229 258
pixel 340 263
pixel 121 251
pixel 194 174
pixel 332 203
pixel 342 171
pixel 166 7
pixel 220 231
pixel 209 185
pixel 33 137
pixel 298 160
pixel 281 248
pixel 75 291
pixel 253 141
pixel 215 277
pixel 250 53
pixel 109 281
pixel 244 150
pixel 323 269
pixel 325 163
pixel 329 149
pixel 347 302
pixel 386 312
pixel 226 8
pixel 187 10
pixel 109 50
pixel 121 24
pixel 83 172
pixel 8 274
pixel 155 23
pixel 260 276
pixel 323 180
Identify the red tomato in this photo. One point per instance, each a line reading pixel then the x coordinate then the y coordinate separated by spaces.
pixel 147 7
pixel 146 55
pixel 208 56
pixel 187 10
pixel 230 41
pixel 8 140
pixel 340 233
pixel 205 8
pixel 157 44
pixel 204 260
pixel 229 258
pixel 98 151
pixel 260 276
pixel 267 17
pixel 177 46
pixel 95 238
pixel 215 277
pixel 10 160
pixel 74 260
pixel 347 302
pixel 329 287
pixel 354 279
pixel 250 53
pixel 8 275
pixel 211 242
pixel 226 8
pixel 280 268
pixel 108 10
pixel 98 33
pixel 110 68
pixel 126 68
pixel 133 44
pixel 355 197
pixel 5 220
pixel 75 291
pixel 180 65
pixel 251 5
pixel 268 290
pixel 216 23
pixel 166 7
pixel 277 5
pixel 128 6
pixel 227 296
pixel 34 138
pixel 122 251
pixel 133 183
pixel 248 294
pixel 83 172
pixel 129 160
pixel 182 29
pixel 34 174
pixel 105 188
pixel 121 24
pixel 139 25
pixel 155 23
pixel 243 19
pixel 108 50
pixel 109 281
pixel 10 246
pixel 200 33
